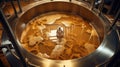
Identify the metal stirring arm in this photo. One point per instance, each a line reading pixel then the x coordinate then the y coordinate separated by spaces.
pixel 116 19
pixel 14 8
pixel 11 36
pixel 100 11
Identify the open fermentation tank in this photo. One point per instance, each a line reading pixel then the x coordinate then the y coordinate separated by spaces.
pixel 104 52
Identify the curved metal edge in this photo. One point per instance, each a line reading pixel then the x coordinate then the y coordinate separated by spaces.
pixel 31 7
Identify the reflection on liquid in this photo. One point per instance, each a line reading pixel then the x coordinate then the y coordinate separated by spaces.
pixel 59 36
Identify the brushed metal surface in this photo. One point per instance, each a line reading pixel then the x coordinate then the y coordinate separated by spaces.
pixel 106 50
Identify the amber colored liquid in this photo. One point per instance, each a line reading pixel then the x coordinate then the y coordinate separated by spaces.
pixel 79 39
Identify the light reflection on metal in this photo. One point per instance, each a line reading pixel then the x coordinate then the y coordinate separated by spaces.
pixel 106 50
pixel 100 56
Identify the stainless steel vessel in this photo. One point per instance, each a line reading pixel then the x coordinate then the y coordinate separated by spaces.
pixel 106 50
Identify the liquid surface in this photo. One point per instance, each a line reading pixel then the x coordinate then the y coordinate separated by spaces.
pixel 59 36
